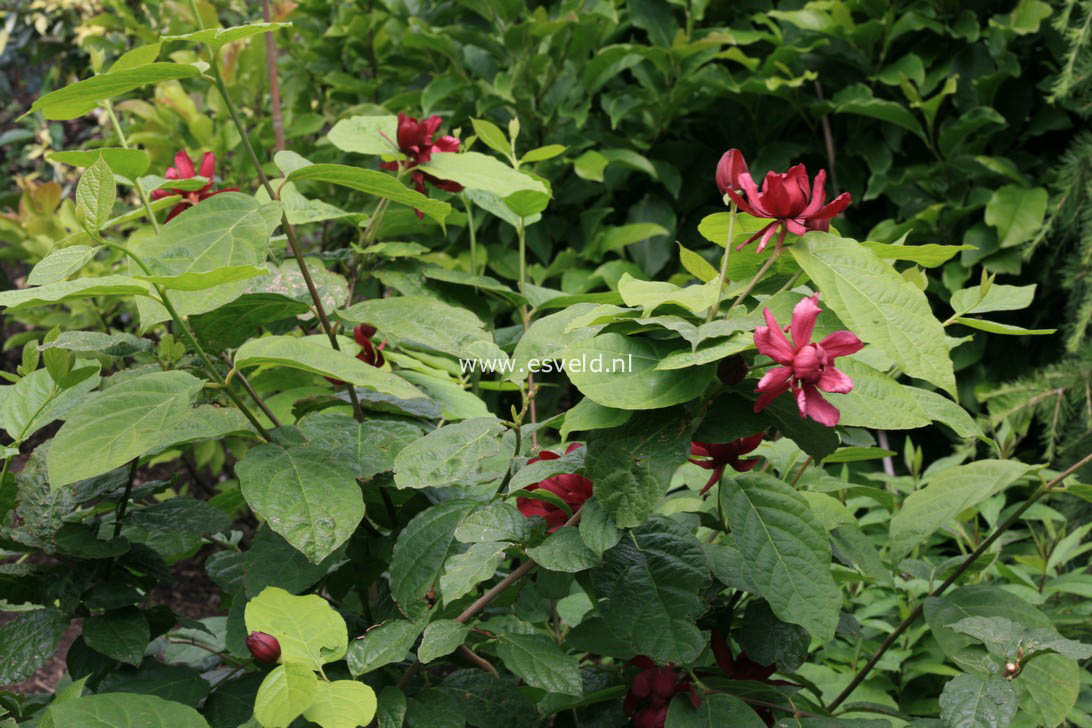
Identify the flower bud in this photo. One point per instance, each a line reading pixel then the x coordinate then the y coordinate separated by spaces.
pixel 729 168
pixel 732 370
pixel 264 647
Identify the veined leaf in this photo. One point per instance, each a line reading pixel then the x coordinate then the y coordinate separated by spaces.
pixel 217 38
pixel 308 629
pixel 372 182
pixel 79 98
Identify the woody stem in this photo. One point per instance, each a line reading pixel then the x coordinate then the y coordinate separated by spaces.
pixel 723 264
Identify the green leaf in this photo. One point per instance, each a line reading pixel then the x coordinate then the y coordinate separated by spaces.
pixel 621 372
pixel 995 328
pixel 1017 213
pixel 420 551
pixel 649 591
pixel 461 454
pixel 392 707
pixel 1027 15
pixel 858 99
pixel 441 637
pixel 307 495
pixel 33 402
pixel 492 136
pixel 632 465
pixel 541 154
pixel 79 98
pixel 375 183
pixel 123 710
pixel 1050 685
pixel 464 571
pixel 233 323
pixel 587 415
pixel 314 354
pixel 226 230
pixel 217 38
pixel 786 556
pixel 382 645
pixel 112 427
pixel 943 410
pixel 112 285
pixel 310 632
pixel 193 281
pixel 617 237
pixel 877 400
pixel 61 263
pixel 970 701
pixel 718 709
pixel 545 339
pixel 769 641
pixel 28 641
pixel 945 496
pixel 590 164
pixel 928 255
pixel 651 294
pixel 139 56
pixel 110 344
pixel 127 163
pixel 272 561
pixel 997 297
pixel 477 171
pixel 564 551
pixel 498 521
pixel 1005 638
pixel 342 704
pixel 878 305
pixel 536 472
pixel 285 693
pixel 540 662
pixel 369 447
pixel 597 528
pixel 366 134
pixel 696 265
pixel 426 322
pixel 121 634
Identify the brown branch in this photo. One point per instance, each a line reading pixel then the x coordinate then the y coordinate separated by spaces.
pixel 253 394
pixel 274 84
pixel 477 660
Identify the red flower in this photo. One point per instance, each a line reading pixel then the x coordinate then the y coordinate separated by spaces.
pixel 264 647
pixel 183 169
pixel 723 454
pixel 729 168
pixel 415 140
pixel 785 196
pixel 743 667
pixel 572 488
pixel 651 691
pixel 370 353
pixel 805 367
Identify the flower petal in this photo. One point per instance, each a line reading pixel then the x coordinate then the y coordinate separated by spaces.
pixel 835 207
pixel 818 195
pixel 841 343
pixel 819 409
pixel 772 342
pixel 769 396
pixel 773 379
pixel 835 380
pixel 803 321
pixel 801 397
pixel 208 166
pixel 184 165
pixel 742 204
pixel 768 232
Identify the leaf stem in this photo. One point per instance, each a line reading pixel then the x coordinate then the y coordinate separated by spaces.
pixel 123 504
pixel 253 394
pixel 723 263
pixel 754 281
pixel 963 566
pixel 125 143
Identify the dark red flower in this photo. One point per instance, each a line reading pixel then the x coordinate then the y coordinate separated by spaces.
pixel 732 370
pixel 573 489
pixel 729 168
pixel 183 169
pixel 806 367
pixel 742 667
pixel 795 205
pixel 415 140
pixel 651 691
pixel 369 354
pixel 724 454
pixel 264 647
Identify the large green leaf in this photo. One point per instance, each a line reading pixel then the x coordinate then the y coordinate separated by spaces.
pixel 858 99
pixel 649 591
pixel 285 693
pixel 1017 213
pixel 34 401
pixel 420 551
pixel 970 701
pixel 308 629
pixel 478 171
pixel 307 495
pixel 540 662
pixel 651 294
pixel 112 427
pixel 369 446
pixel 96 194
pixel 461 454
pixel 233 323
pixel 427 322
pixel 442 637
pixel 217 38
pixel 227 230
pixel 716 711
pixel 123 710
pixel 342 704
pixel 372 182
pixel 878 305
pixel 120 344
pixel 366 134
pixel 28 641
pixel 877 400
pixel 79 98
pixel 786 555
pixel 632 465
pixel 546 338
pixel 112 285
pixel 944 496
pixel 464 571
pixel 122 634
pixel 382 645
pixel 314 354
pixel 61 263
pixel 128 163
pixel 621 372
pixel 564 551
pixel 1009 640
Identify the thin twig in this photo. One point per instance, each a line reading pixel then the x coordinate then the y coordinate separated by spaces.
pixel 123 504
pixel 963 566
pixel 477 660
pixel 828 139
pixel 253 394
pixel 274 84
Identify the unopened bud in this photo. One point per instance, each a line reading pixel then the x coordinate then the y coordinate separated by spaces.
pixel 264 647
pixel 1012 669
pixel 732 370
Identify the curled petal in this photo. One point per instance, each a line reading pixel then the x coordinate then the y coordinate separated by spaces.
pixel 769 231
pixel 771 341
pixel 747 444
pixel 208 166
pixel 836 206
pixel 818 194
pixel 772 380
pixel 744 205
pixel 770 395
pixel 801 396
pixel 803 320
pixel 447 143
pixel 717 472
pixel 841 343
pixel 818 408
pixel 795 226
pixel 836 381
pixel 743 466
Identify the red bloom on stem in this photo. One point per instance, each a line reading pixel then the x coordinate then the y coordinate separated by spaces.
pixel 264 647
pixel 369 354
pixel 795 204
pixel 572 488
pixel 183 169
pixel 806 367
pixel 729 168
pixel 415 140
pixel 742 667
pixel 723 454
pixel 651 691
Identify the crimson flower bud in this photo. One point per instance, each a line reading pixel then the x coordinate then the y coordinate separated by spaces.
pixel 729 168
pixel 264 647
pixel 732 370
